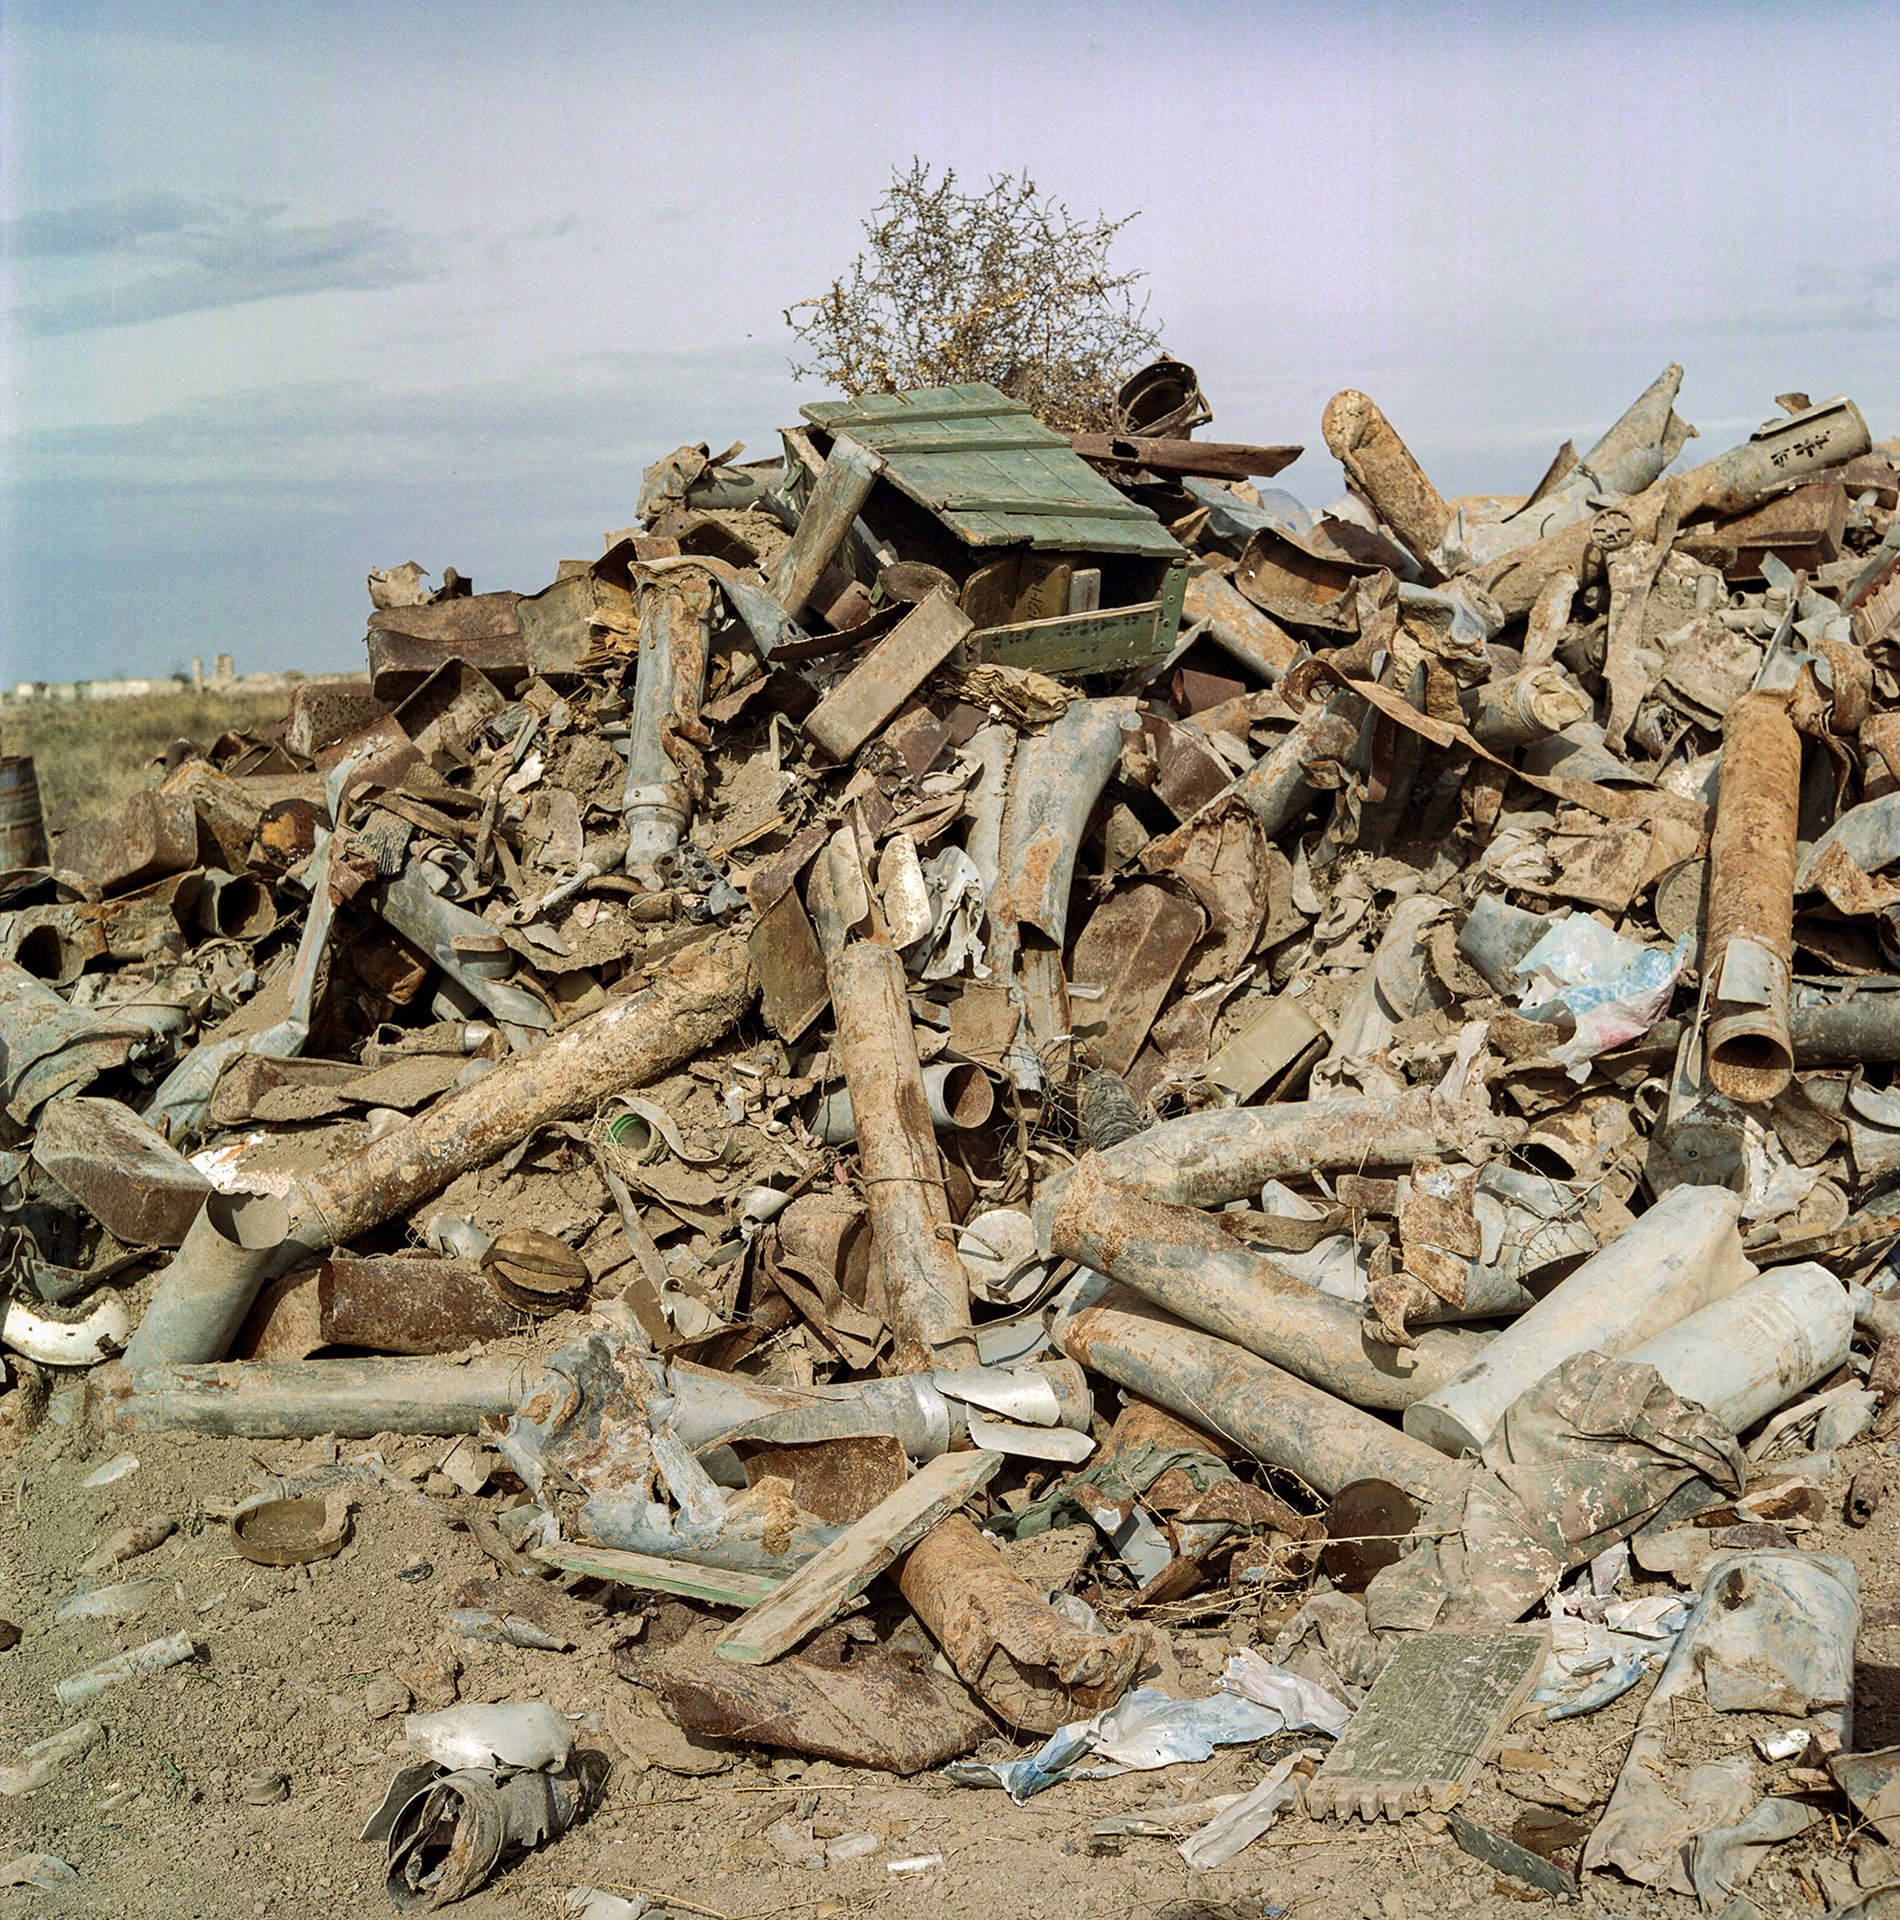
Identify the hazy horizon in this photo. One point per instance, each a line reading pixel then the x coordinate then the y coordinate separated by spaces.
pixel 295 292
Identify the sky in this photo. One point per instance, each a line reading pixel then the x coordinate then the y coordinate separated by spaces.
pixel 294 291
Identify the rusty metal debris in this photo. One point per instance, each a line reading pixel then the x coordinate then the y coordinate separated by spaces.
pixel 968 984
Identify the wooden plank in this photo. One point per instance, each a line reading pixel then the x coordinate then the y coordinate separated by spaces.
pixel 904 448
pixel 717 1585
pixel 1113 640
pixel 1432 1718
pixel 839 1572
pixel 887 676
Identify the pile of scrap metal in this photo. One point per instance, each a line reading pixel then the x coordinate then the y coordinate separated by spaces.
pixel 964 966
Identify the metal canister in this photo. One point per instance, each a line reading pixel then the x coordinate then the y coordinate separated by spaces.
pixel 22 824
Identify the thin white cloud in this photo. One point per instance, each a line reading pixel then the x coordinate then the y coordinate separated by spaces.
pixel 203 256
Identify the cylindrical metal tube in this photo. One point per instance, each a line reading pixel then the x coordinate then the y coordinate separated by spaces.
pixel 1226 1153
pixel 174 1650
pixel 1030 1665
pixel 1748 953
pixel 993 748
pixel 1683 1254
pixel 206 1291
pixel 664 771
pixel 1859 1026
pixel 22 823
pixel 626 1044
pixel 302 1399
pixel 1529 705
pixel 957 1092
pixel 1237 626
pixel 1381 470
pixel 1273 1415
pixel 927 1290
pixel 1743 1357
pixel 1785 450
pixel 1180 1259
pixel 1057 778
pixel 235 906
pixel 56 941
pixel 1276 786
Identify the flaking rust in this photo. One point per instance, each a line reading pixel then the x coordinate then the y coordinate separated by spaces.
pixel 1748 946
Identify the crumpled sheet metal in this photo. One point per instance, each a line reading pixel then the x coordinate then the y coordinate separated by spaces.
pixel 877 1708
pixel 1147 1729
pixel 1773 1631
pixel 597 1441
pixel 49 1048
pixel 448 1832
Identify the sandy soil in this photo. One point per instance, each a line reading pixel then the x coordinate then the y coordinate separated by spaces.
pixel 156 1820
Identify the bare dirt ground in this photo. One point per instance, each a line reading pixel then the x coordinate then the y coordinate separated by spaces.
pixel 156 1821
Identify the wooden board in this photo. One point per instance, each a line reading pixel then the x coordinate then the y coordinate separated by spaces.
pixel 1431 1720
pixel 805 1600
pixel 886 677
pixel 716 1585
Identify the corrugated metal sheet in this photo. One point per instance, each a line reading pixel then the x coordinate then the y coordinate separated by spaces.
pixel 993 472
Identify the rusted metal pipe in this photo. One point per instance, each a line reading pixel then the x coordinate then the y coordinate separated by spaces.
pixel 1381 471
pixel 1273 1415
pixel 1748 951
pixel 1278 786
pixel 234 906
pixel 993 748
pixel 1029 1665
pixel 301 1399
pixel 1179 1258
pixel 1207 1159
pixel 843 485
pixel 927 1290
pixel 665 771
pixel 387 1303
pixel 698 999
pixel 1237 626
pixel 1057 778
pixel 1784 449
pixel 1862 1023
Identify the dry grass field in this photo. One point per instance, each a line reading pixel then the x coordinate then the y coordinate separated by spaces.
pixel 89 753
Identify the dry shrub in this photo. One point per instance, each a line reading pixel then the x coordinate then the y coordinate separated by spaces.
pixel 1005 286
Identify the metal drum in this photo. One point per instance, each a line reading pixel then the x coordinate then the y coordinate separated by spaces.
pixel 22 825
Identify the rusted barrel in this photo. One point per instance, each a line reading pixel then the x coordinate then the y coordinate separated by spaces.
pixel 22 825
